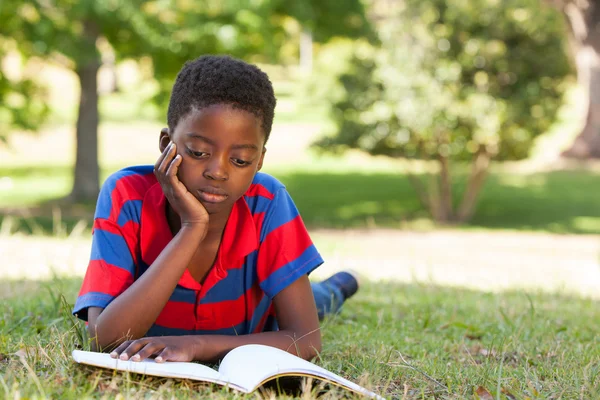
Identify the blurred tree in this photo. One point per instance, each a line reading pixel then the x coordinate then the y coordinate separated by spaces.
pixel 169 32
pixel 22 103
pixel 583 17
pixel 454 80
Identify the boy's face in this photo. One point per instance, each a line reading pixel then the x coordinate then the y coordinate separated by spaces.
pixel 222 149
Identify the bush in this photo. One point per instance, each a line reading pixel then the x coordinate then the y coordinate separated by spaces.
pixel 453 80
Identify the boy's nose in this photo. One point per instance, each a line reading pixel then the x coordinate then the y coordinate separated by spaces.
pixel 216 169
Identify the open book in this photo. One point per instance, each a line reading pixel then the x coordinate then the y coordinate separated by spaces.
pixel 245 368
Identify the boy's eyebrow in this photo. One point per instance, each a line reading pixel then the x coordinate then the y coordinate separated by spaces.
pixel 209 141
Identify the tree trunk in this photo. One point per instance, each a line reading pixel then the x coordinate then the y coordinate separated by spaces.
pixel 446 189
pixel 306 50
pixel 587 143
pixel 87 181
pixel 474 185
pixel 584 38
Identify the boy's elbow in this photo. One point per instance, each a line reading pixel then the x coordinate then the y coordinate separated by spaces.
pixel 97 342
pixel 94 341
pixel 313 348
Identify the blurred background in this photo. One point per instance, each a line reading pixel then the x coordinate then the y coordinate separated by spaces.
pixel 443 141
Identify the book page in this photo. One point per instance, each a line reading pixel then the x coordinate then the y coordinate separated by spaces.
pixel 182 370
pixel 252 365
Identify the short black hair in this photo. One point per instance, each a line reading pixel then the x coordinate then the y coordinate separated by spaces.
pixel 221 79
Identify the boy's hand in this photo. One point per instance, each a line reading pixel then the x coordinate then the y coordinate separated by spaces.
pixel 166 348
pixel 189 209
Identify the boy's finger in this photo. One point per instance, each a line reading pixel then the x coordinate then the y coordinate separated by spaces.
pixel 160 163
pixel 116 352
pixel 161 157
pixel 164 355
pixel 133 348
pixel 146 351
pixel 174 167
pixel 164 165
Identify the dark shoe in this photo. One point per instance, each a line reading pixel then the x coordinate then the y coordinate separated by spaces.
pixel 346 281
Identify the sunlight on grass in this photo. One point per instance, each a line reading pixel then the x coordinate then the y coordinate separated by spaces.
pixel 403 341
pixel 561 201
pixel 36 188
pixel 523 181
pixel 587 224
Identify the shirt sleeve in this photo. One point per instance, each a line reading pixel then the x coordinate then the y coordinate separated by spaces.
pixel 111 269
pixel 286 251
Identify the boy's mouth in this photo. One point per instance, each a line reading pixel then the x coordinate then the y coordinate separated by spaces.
pixel 211 194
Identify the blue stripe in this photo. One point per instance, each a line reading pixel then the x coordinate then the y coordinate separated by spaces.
pixel 259 313
pixel 267 181
pixel 104 203
pixel 183 295
pixel 157 330
pixel 257 204
pixel 130 211
pixel 113 249
pixel 91 299
pixel 282 211
pixel 237 282
pixel 289 273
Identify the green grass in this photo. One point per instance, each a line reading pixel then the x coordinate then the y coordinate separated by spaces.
pixel 559 201
pixel 422 341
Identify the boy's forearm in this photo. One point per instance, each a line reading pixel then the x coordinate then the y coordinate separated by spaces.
pixel 132 313
pixel 304 345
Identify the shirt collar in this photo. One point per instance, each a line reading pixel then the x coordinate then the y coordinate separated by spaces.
pixel 239 238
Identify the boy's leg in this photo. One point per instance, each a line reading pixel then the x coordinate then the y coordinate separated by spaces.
pixel 331 293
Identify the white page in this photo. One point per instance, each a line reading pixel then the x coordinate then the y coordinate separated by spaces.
pixel 249 366
pixel 182 370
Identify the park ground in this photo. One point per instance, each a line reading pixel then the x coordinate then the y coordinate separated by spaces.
pixel 505 307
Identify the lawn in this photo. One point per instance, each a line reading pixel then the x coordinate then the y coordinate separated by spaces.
pixel 403 341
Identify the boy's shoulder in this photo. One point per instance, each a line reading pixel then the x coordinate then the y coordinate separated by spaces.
pixel 265 185
pixel 126 186
pixel 138 176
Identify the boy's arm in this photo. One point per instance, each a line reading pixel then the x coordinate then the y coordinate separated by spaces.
pixel 132 313
pixel 299 333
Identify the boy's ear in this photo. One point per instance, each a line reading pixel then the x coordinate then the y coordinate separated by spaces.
pixel 164 139
pixel 262 158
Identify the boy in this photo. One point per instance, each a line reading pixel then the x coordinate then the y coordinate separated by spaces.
pixel 201 253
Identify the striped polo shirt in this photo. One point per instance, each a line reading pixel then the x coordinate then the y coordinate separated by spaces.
pixel 265 248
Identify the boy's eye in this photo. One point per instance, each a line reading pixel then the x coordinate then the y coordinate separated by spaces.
pixel 197 154
pixel 239 162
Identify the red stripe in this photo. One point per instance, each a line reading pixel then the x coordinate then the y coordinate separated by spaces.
pixel 131 234
pixel 105 278
pixel 178 315
pixel 283 245
pixel 257 189
pixel 130 187
pixel 226 314
pixel 108 226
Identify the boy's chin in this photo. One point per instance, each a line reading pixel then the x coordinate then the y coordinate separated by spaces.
pixel 215 208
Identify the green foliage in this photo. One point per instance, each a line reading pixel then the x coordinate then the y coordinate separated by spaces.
pixel 165 33
pixel 328 18
pixel 22 104
pixel 453 78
